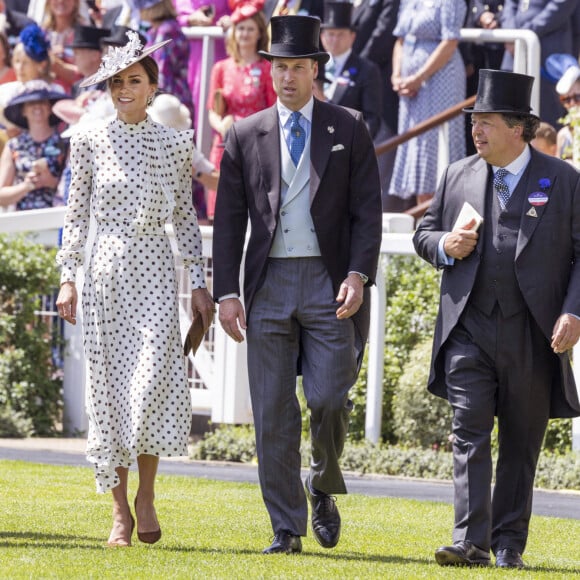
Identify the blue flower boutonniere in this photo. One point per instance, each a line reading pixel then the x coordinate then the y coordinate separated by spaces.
pixel 544 183
pixel 539 198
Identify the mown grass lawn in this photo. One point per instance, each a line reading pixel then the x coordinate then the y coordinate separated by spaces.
pixel 53 525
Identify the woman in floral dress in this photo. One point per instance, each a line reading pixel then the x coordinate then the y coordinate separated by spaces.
pixel 132 176
pixel 32 162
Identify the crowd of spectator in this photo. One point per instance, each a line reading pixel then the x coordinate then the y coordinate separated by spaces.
pixel 399 62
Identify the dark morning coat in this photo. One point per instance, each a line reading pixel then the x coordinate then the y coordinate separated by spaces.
pixel 360 87
pixel 548 248
pixel 344 192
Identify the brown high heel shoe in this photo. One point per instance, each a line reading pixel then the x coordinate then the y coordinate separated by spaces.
pixel 148 537
pixel 122 543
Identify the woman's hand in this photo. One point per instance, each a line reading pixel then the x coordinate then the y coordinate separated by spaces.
pixel 202 305
pixel 41 176
pixel 66 303
pixel 410 86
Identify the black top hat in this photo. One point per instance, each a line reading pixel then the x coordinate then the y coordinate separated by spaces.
pixel 500 91
pixel 33 91
pixel 295 37
pixel 118 37
pixel 89 37
pixel 337 15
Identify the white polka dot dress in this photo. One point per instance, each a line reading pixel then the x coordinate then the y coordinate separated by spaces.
pixel 133 178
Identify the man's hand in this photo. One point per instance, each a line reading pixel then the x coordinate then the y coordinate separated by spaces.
pixel 202 305
pixel 232 318
pixel 566 333
pixel 350 295
pixel 66 303
pixel 461 241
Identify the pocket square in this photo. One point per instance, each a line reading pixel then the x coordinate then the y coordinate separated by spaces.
pixel 338 147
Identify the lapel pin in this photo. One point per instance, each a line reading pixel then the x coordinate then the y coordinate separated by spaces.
pixel 330 129
pixel 532 212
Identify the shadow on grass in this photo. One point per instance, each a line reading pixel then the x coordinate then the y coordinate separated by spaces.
pixel 17 540
pixel 38 539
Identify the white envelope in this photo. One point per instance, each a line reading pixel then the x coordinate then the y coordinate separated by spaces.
pixel 467 213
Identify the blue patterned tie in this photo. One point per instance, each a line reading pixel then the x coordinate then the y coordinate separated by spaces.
pixel 503 191
pixel 297 137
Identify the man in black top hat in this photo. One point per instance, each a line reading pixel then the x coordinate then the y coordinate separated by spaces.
pixel 306 175
pixel 87 52
pixel 356 81
pixel 508 315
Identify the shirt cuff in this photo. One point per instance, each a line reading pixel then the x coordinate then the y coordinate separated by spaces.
pixel 442 258
pixel 227 297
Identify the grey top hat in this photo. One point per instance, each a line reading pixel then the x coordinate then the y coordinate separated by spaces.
pixel 295 37
pixel 501 91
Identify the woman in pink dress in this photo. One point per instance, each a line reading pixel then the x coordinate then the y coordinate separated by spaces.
pixel 241 84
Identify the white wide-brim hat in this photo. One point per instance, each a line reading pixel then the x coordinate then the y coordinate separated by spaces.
pixel 168 110
pixel 120 58
pixel 567 80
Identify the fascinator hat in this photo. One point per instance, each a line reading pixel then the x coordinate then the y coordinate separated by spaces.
pixel 244 9
pixel 120 58
pixel 34 42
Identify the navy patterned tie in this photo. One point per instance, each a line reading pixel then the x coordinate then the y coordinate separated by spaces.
pixel 503 191
pixel 297 137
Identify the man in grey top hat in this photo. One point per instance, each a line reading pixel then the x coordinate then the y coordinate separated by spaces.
pixel 305 174
pixel 508 314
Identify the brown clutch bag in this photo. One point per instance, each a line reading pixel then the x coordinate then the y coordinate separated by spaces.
pixel 194 336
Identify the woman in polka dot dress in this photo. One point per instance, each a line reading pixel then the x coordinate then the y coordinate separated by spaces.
pixel 132 175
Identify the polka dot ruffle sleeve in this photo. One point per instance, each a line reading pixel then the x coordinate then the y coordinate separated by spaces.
pixel 185 223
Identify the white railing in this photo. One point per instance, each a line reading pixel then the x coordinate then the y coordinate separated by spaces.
pixel 218 374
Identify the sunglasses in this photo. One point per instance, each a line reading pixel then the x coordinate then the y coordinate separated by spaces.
pixel 570 99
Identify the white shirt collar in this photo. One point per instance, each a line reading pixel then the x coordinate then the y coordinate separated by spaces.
pixel 340 61
pixel 284 112
pixel 518 164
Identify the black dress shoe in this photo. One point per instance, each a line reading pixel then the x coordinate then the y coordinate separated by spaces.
pixel 508 558
pixel 325 516
pixel 284 543
pixel 462 553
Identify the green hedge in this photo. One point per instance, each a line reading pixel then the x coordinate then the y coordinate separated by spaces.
pixel 555 471
pixel 412 300
pixel 30 384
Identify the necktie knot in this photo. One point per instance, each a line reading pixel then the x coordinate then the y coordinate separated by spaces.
pixel 501 187
pixel 297 137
